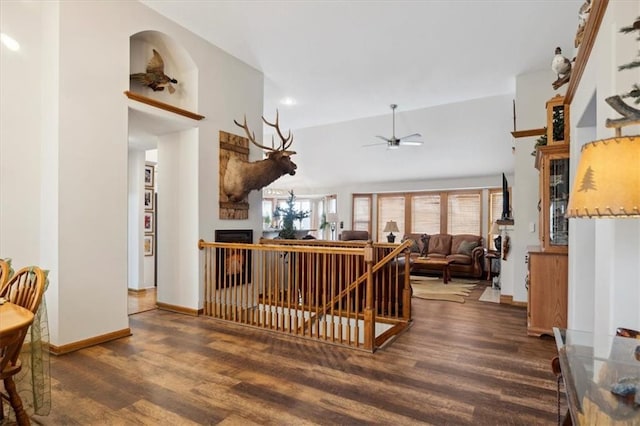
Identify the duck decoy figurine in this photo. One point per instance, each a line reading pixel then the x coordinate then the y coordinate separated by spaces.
pixel 560 64
pixel 155 78
pixel 562 67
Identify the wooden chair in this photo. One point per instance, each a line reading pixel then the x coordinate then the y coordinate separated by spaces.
pixel 5 273
pixel 10 347
pixel 25 289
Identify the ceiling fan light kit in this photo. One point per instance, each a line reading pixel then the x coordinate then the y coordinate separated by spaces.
pixel 393 142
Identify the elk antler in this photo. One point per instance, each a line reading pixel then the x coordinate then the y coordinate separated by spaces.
pixel 286 142
pixel 250 135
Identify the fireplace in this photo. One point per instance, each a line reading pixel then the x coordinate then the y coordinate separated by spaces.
pixel 234 265
pixel 234 236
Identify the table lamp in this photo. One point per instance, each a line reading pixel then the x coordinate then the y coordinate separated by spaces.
pixel 391 227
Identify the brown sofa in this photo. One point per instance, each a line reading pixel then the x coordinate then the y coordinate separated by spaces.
pixel 354 235
pixel 465 251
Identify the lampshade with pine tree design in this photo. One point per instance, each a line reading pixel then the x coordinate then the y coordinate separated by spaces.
pixel 607 180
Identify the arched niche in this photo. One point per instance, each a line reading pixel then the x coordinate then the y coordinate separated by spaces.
pixel 178 64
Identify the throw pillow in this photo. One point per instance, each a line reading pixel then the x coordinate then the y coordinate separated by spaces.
pixel 414 248
pixel 466 247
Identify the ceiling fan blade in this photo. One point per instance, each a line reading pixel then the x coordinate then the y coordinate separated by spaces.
pixel 376 144
pixel 383 138
pixel 413 135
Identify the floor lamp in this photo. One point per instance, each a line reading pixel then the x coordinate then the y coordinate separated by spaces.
pixel 332 218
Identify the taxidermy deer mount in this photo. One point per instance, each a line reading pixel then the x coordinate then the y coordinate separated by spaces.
pixel 241 177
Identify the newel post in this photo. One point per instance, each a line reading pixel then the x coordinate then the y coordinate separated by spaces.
pixel 369 314
pixel 406 293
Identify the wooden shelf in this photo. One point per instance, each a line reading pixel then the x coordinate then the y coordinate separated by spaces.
pixel 505 222
pixel 527 133
pixel 163 106
pixel 598 8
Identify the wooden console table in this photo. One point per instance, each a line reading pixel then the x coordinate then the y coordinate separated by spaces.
pixel 591 364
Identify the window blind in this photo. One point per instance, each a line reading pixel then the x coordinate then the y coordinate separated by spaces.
pixel 425 214
pixel 463 213
pixel 390 207
pixel 362 212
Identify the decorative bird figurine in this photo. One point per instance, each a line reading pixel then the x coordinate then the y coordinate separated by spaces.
pixel 155 78
pixel 562 67
pixel 560 64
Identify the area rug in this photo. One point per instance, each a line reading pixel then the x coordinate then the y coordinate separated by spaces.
pixel 434 289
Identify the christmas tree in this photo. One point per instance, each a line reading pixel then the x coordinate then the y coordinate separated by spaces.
pixel 289 214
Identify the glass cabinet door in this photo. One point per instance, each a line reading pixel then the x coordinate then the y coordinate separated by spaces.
pixel 558 200
pixel 553 163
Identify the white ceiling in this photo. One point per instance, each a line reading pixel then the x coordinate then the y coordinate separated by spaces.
pixel 344 60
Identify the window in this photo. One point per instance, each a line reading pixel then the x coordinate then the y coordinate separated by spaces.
pixel 267 213
pixel 332 204
pixel 390 207
pixel 300 204
pixel 361 220
pixel 464 213
pixel 437 212
pixel 425 214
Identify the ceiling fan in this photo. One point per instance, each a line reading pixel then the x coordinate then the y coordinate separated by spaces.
pixel 393 142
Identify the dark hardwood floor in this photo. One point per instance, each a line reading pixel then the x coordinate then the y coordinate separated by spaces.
pixel 459 364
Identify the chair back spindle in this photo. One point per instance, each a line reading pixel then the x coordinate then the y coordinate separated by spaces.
pixel 25 288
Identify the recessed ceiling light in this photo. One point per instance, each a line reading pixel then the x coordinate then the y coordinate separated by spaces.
pixel 288 101
pixel 9 42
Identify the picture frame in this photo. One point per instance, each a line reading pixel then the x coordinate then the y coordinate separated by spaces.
pixel 148 245
pixel 148 223
pixel 149 175
pixel 149 197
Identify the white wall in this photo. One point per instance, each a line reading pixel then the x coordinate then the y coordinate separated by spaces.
pixel 533 90
pixel 65 206
pixel 485 121
pixel 469 129
pixel 135 224
pixel 609 248
pixel 21 124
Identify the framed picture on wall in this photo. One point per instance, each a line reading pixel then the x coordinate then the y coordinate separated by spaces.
pixel 148 198
pixel 148 222
pixel 148 245
pixel 149 172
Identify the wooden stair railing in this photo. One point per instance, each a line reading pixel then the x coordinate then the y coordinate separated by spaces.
pixel 321 282
pixel 368 274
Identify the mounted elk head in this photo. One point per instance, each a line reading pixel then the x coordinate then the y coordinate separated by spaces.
pixel 242 177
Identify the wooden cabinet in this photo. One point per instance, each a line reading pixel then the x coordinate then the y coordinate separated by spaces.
pixel 553 163
pixel 557 121
pixel 547 277
pixel 547 289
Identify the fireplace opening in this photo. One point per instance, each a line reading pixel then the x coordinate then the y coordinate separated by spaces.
pixel 234 265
